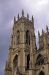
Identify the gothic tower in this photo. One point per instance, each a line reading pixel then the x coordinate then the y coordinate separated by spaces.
pixel 24 57
pixel 23 45
pixel 42 54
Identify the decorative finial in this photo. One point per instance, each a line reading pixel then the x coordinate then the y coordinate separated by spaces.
pixel 42 31
pixel 27 16
pixel 18 16
pixel 14 19
pixel 38 33
pixel 32 18
pixel 46 28
pixel 22 13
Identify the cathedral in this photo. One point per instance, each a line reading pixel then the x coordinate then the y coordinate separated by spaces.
pixel 24 58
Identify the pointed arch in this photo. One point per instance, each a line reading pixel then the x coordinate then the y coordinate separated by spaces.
pixel 18 36
pixel 28 61
pixel 40 59
pixel 27 37
pixel 41 73
pixel 15 61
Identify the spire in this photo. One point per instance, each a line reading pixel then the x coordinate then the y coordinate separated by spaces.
pixel 18 16
pixel 27 16
pixel 38 33
pixel 42 31
pixel 14 19
pixel 46 28
pixel 22 13
pixel 32 19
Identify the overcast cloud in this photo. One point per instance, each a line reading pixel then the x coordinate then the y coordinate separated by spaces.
pixel 10 8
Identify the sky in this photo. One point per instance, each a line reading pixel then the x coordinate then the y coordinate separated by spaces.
pixel 10 8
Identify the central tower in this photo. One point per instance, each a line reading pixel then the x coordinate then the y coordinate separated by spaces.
pixel 23 46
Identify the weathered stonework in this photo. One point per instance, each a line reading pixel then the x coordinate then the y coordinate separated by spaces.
pixel 24 58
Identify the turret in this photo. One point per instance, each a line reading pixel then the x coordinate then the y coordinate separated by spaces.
pixel 46 28
pixel 42 32
pixel 38 34
pixel 18 16
pixel 22 13
pixel 32 20
pixel 14 19
pixel 27 16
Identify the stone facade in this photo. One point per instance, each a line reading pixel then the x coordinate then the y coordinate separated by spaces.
pixel 24 58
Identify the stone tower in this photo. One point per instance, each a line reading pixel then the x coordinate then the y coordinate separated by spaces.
pixel 24 58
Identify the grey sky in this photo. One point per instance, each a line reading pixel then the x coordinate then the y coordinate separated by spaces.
pixel 10 8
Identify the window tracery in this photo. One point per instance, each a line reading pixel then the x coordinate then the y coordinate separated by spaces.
pixel 18 37
pixel 40 60
pixel 27 37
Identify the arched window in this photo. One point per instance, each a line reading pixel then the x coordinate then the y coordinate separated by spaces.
pixel 40 59
pixel 28 60
pixel 15 64
pixel 18 37
pixel 41 73
pixel 15 61
pixel 27 37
